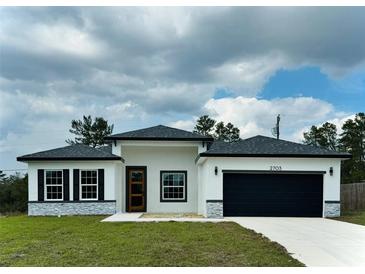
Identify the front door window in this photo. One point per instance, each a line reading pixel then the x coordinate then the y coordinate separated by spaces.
pixel 136 190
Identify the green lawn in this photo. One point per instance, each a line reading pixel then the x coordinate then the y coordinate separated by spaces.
pixel 355 217
pixel 84 241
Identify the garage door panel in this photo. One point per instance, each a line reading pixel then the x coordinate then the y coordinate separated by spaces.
pixel 275 200
pixel 270 211
pixel 274 187
pixel 281 195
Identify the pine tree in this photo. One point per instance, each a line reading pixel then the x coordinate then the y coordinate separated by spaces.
pixel 204 125
pixel 324 136
pixel 219 131
pixel 90 132
pixel 353 140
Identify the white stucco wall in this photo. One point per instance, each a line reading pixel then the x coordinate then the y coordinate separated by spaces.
pixel 157 156
pixel 212 185
pixel 111 176
pixel 202 183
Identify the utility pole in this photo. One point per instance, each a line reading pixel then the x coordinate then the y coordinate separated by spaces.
pixel 276 130
pixel 278 126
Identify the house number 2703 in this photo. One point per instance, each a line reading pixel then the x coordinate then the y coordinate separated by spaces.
pixel 275 168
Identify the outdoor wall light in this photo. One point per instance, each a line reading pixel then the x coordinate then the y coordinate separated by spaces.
pixel 331 171
pixel 216 170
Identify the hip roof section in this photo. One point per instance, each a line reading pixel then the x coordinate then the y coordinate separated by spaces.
pixel 72 152
pixel 262 146
pixel 160 133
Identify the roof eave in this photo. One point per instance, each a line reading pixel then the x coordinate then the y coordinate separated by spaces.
pixel 339 156
pixel 33 159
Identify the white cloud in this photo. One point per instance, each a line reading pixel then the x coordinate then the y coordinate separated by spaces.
pixel 158 22
pixel 184 124
pixel 242 111
pixel 257 116
pixel 65 39
pixel 178 98
pixel 54 39
pixel 125 110
pixel 25 105
pixel 339 121
pixel 247 76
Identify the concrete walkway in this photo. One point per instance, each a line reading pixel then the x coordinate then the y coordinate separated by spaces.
pixel 123 217
pixel 136 217
pixel 313 241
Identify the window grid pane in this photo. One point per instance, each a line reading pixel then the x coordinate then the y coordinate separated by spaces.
pixel 54 185
pixel 173 186
pixel 89 192
pixel 89 184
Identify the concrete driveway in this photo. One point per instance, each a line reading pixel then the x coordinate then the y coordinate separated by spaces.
pixel 313 241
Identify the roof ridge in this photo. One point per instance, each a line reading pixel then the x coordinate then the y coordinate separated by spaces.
pixel 161 132
pixel 174 128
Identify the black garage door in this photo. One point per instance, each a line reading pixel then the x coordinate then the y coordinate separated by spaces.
pixel 272 195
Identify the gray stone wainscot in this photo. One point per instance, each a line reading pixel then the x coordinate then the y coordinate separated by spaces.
pixel 332 208
pixel 214 208
pixel 71 208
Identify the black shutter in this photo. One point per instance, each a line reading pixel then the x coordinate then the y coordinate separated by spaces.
pixel 40 184
pixel 66 185
pixel 101 184
pixel 76 184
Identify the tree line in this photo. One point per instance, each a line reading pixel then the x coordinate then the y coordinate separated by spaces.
pixel 351 139
pixel 13 193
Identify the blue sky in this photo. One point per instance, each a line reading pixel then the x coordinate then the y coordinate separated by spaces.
pixel 346 93
pixel 143 66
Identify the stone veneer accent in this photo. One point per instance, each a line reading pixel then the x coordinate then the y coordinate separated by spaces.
pixel 214 208
pixel 332 208
pixel 71 208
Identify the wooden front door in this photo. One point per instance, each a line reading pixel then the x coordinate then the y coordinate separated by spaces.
pixel 136 189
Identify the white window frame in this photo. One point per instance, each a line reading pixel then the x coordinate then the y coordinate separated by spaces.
pixel 97 185
pixel 184 198
pixel 45 184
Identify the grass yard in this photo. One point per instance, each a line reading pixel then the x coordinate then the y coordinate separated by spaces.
pixel 84 241
pixel 355 217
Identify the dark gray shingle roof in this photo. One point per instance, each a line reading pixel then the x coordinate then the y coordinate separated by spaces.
pixel 159 132
pixel 261 146
pixel 72 152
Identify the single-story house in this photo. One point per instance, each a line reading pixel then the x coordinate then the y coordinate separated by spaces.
pixel 167 170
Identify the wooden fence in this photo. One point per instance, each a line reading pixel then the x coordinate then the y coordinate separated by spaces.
pixel 353 196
